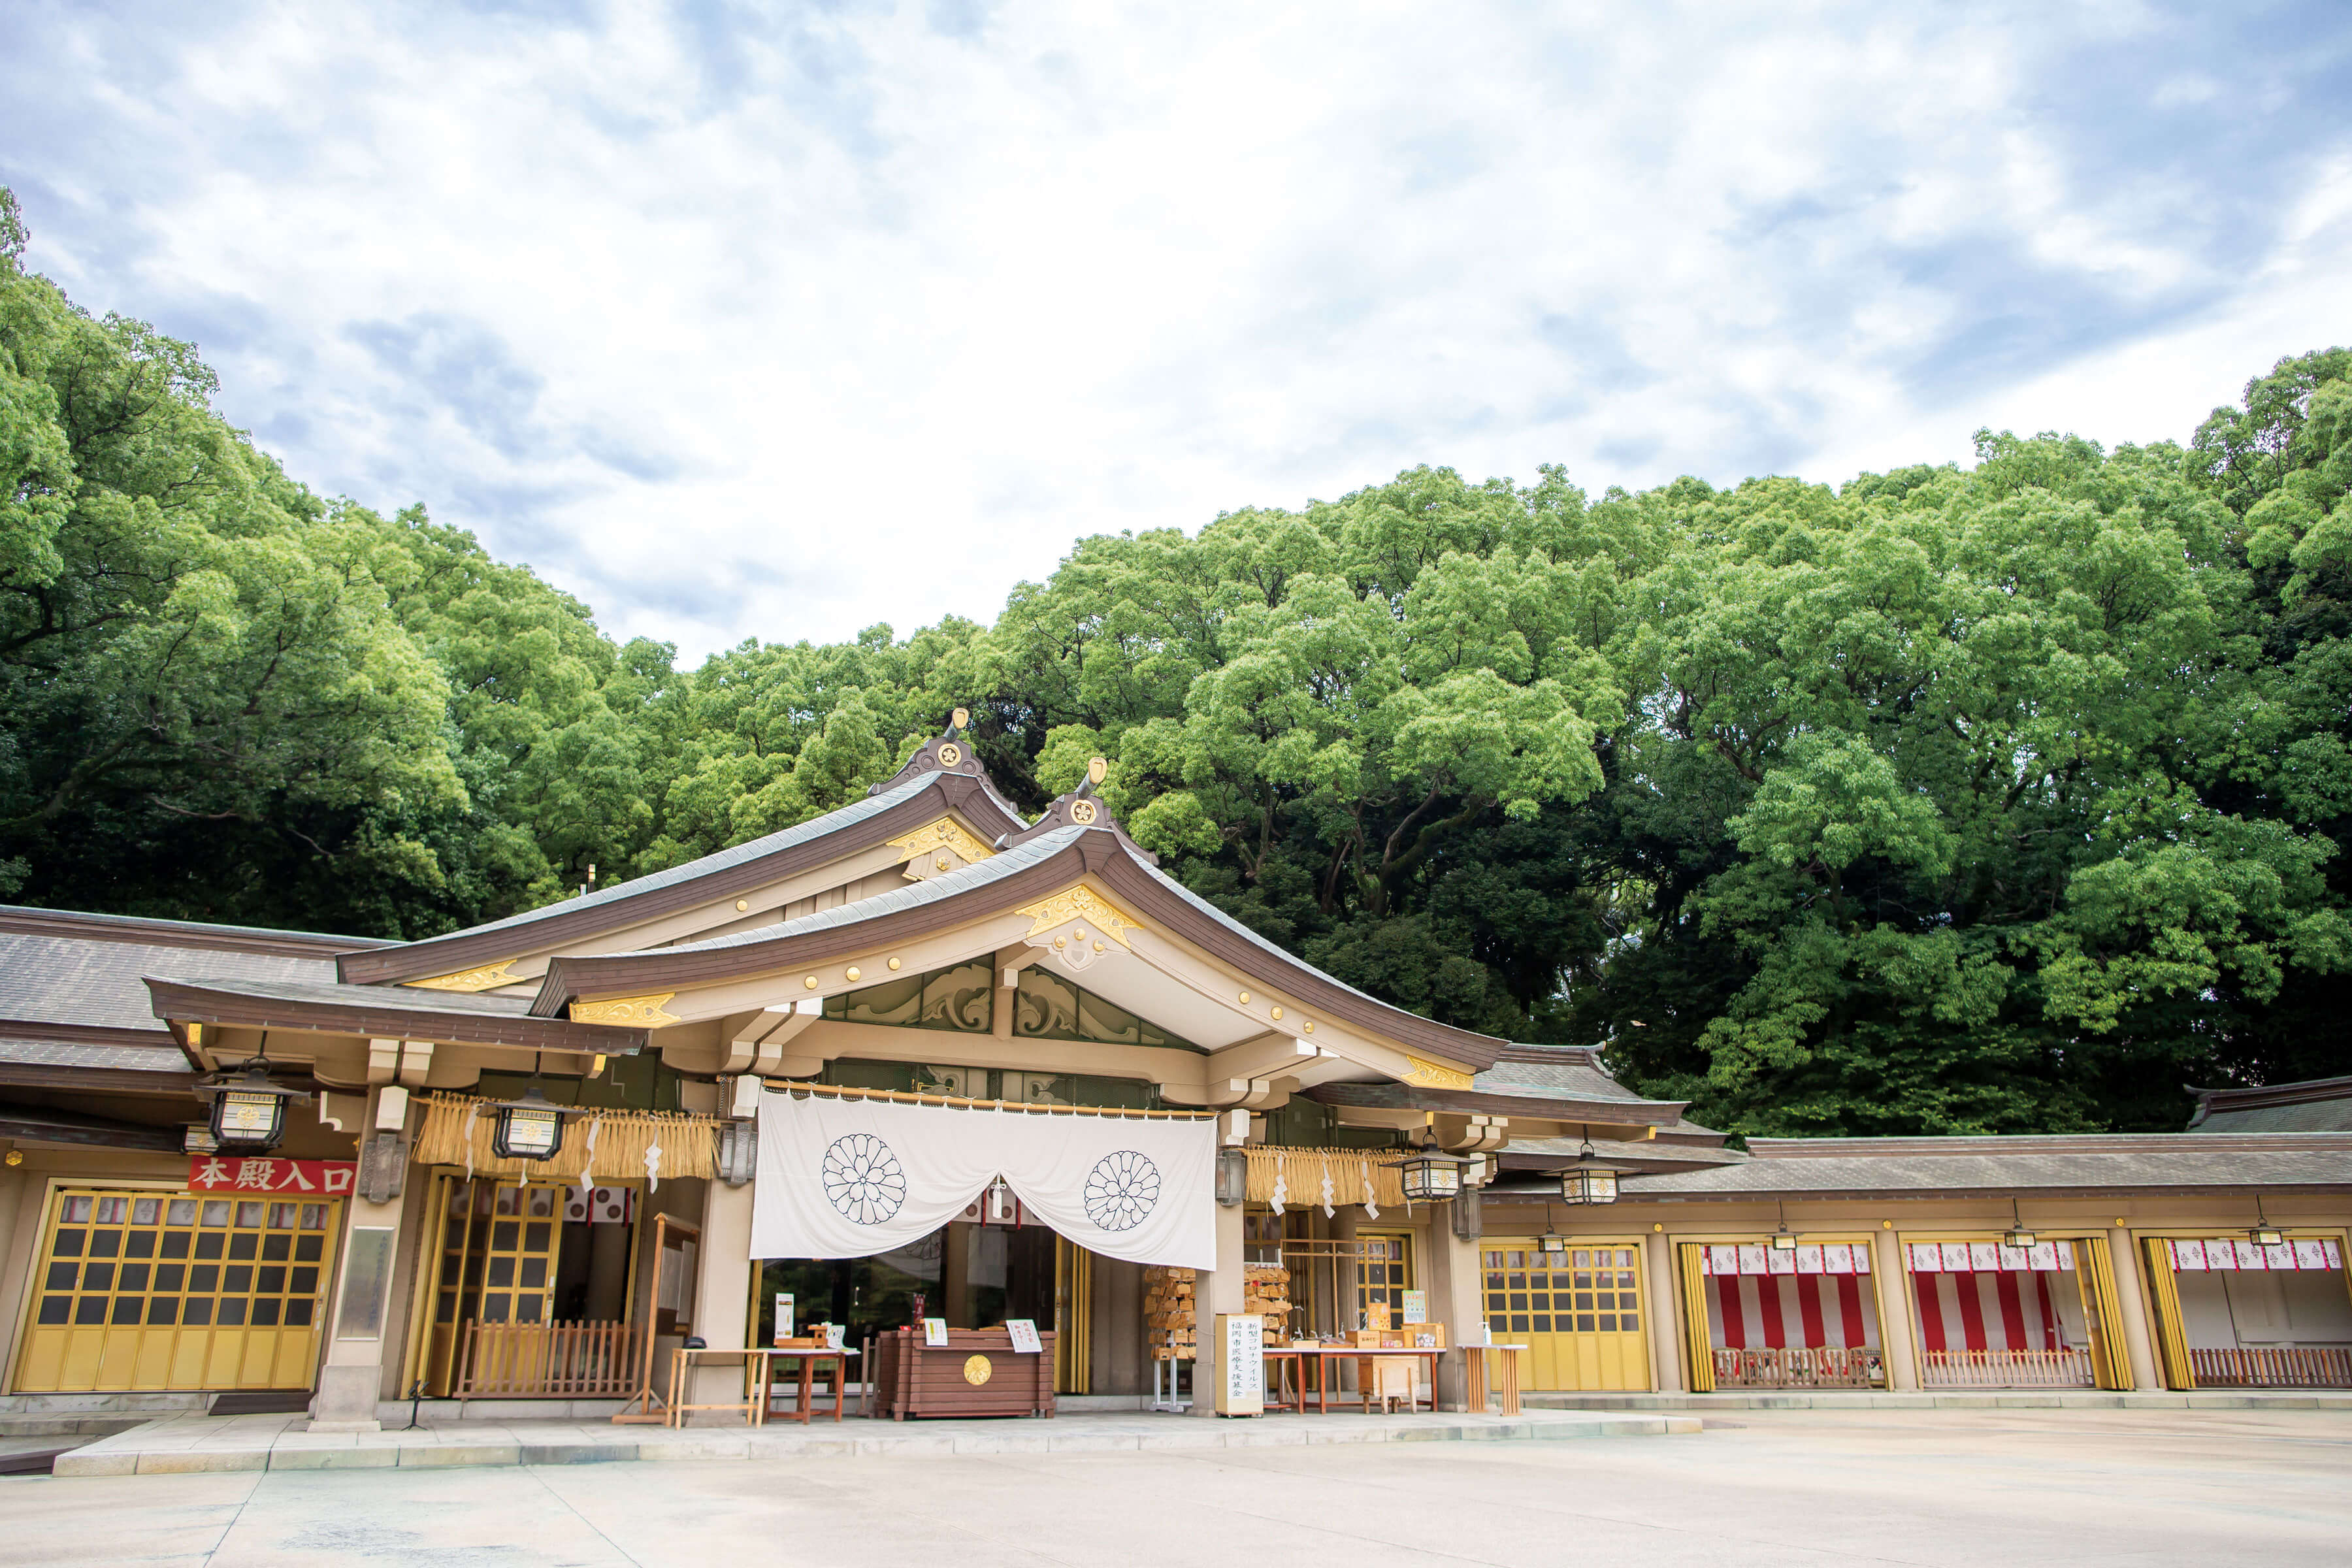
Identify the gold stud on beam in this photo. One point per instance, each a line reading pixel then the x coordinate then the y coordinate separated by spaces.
pixel 810 983
pixel 1276 1015
pixel 894 963
pixel 852 974
pixel 1244 998
pixel 1309 1026
pixel 742 904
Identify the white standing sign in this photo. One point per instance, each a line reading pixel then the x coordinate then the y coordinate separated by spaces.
pixel 1242 1390
pixel 1024 1336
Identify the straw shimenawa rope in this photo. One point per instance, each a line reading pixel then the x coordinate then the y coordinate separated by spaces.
pixel 459 1129
pixel 1301 1172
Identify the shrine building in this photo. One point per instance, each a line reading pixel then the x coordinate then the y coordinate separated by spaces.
pixel 923 1060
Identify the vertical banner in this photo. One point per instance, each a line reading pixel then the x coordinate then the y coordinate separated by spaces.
pixel 1242 1390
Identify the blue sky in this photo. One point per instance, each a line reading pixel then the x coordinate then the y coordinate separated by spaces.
pixel 779 321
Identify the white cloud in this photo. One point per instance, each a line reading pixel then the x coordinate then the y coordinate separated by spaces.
pixel 779 324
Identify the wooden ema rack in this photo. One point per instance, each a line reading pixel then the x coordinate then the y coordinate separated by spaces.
pixel 977 1372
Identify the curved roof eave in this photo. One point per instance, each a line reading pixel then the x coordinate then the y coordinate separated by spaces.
pixel 370 1010
pixel 1042 867
pixel 740 869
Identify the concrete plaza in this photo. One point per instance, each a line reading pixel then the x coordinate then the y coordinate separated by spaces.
pixel 2015 1488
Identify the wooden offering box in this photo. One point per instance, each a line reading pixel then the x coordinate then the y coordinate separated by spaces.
pixel 977 1373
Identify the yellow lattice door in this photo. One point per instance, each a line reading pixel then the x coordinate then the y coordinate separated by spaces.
pixel 499 1244
pixel 146 1291
pixel 1383 1270
pixel 1579 1312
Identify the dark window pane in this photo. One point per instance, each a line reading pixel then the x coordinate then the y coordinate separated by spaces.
pixel 232 1311
pixel 1520 1324
pixel 534 1274
pixel 244 1246
pixel 162 1309
pixel 70 1242
pixel 275 1248
pixel 265 1312
pixel 534 1236
pixel 204 1278
pixel 135 1276
pixel 1632 1321
pixel 197 1312
pixel 269 1279
pixel 90 1310
pixel 175 1244
pixel 1584 1300
pixel 105 1243
pixel 169 1275
pixel 1543 1322
pixel 304 1282
pixel 128 1309
pixel 208 1244
pixel 445 1312
pixel 1608 1323
pixel 502 1273
pixel 297 1313
pixel 61 1276
pixel 236 1277
pixel 139 1244
pixel 494 1309
pixel 505 1234
pixel 56 1309
pixel 98 1277
pixel 310 1249
pixel 527 1309
pixel 1584 1322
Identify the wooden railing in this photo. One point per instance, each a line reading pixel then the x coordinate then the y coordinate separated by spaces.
pixel 1797 1368
pixel 2008 1369
pixel 2290 1366
pixel 551 1361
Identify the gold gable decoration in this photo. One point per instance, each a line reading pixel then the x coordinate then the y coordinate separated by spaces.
pixel 458 1127
pixel 636 1012
pixel 1300 1171
pixel 489 977
pixel 1079 903
pixel 1433 1075
pixel 932 836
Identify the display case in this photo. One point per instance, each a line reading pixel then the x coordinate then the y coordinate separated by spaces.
pixel 976 1373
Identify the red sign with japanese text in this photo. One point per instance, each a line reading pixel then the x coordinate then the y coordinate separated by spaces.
pixel 265 1174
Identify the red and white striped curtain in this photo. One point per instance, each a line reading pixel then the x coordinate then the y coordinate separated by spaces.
pixel 1979 1296
pixel 1811 1298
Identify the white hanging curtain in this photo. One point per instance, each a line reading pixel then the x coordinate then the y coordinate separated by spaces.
pixel 841 1177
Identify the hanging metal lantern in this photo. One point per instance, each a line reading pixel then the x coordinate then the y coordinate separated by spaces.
pixel 2017 1236
pixel 2263 1233
pixel 531 1128
pixel 1429 1175
pixel 1588 1181
pixel 248 1111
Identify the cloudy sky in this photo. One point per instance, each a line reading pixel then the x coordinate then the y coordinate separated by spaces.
pixel 778 321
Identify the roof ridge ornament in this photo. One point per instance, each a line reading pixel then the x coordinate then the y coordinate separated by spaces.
pixel 949 751
pixel 1081 808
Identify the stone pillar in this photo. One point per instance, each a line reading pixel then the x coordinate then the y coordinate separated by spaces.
pixel 2131 1303
pixel 1665 1314
pixel 1455 1299
pixel 1215 1291
pixel 722 1290
pixel 1894 1295
pixel 366 1321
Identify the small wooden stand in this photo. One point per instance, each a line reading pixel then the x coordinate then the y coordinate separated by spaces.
pixel 912 1378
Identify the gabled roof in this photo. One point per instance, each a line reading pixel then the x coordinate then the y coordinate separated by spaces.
pixel 1969 1167
pixel 1552 1083
pixel 1034 869
pixel 916 799
pixel 383 1012
pixel 2314 1105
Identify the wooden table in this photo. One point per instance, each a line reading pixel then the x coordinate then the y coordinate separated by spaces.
pixel 1320 1358
pixel 760 1360
pixel 808 1358
pixel 1475 1369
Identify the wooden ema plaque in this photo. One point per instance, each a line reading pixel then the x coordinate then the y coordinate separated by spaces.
pixel 976 1373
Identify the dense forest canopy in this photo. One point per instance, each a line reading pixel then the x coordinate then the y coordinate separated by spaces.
pixel 2003 798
